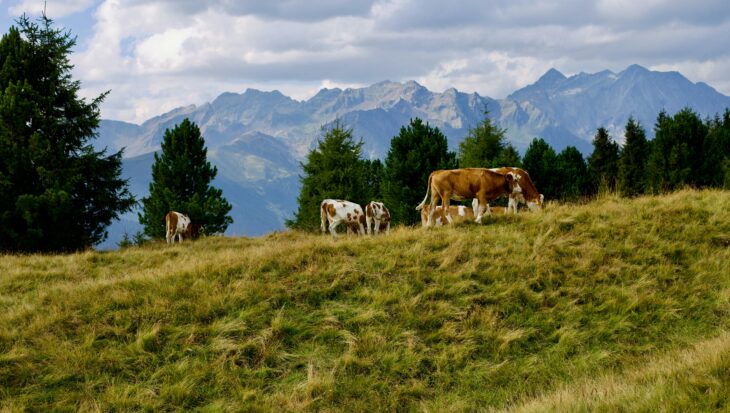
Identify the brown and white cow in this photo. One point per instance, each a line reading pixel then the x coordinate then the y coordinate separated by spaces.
pixel 467 183
pixel 377 216
pixel 459 213
pixel 177 225
pixel 336 212
pixel 528 194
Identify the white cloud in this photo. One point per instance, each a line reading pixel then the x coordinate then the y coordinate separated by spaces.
pixel 158 54
pixel 54 8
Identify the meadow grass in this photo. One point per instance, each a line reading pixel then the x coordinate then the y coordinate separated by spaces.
pixel 615 305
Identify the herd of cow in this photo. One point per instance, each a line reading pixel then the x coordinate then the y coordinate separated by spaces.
pixel 481 185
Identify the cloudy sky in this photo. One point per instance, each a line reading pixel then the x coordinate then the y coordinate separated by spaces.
pixel 155 55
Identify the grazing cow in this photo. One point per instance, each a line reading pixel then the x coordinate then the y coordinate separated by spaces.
pixel 177 225
pixel 528 194
pixel 467 183
pixel 377 214
pixel 338 212
pixel 459 213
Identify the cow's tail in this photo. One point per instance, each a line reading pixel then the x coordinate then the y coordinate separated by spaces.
pixel 428 187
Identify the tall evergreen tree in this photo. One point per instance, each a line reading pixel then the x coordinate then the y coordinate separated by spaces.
pixel 717 152
pixel 603 162
pixel 632 159
pixel 181 177
pixel 374 171
pixel 572 173
pixel 509 157
pixel 676 156
pixel 482 145
pixel 57 193
pixel 540 162
pixel 418 150
pixel 334 170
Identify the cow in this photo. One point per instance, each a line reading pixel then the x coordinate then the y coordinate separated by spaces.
pixel 528 194
pixel 467 183
pixel 177 225
pixel 461 213
pixel 376 214
pixel 336 212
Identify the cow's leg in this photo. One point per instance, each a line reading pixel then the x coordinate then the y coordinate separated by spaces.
pixel 432 208
pixel 482 202
pixel 362 230
pixel 387 229
pixel 333 224
pixel 368 221
pixel 445 201
pixel 377 226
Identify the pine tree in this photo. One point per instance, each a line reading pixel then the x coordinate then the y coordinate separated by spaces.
pixel 632 160
pixel 418 150
pixel 509 157
pixel 334 170
pixel 57 193
pixel 717 152
pixel 676 157
pixel 181 177
pixel 603 162
pixel 482 145
pixel 572 173
pixel 540 162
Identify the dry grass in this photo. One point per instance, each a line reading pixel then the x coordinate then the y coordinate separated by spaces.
pixel 519 313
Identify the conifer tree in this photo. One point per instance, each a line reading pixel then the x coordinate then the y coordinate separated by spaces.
pixel 603 162
pixel 717 152
pixel 509 157
pixel 540 162
pixel 572 174
pixel 57 193
pixel 333 170
pixel 418 150
pixel 482 145
pixel 632 159
pixel 676 156
pixel 181 178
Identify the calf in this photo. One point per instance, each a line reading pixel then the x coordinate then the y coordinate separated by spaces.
pixel 338 212
pixel 459 213
pixel 177 225
pixel 377 215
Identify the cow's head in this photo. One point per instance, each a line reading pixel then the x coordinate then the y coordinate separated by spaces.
pixel 536 204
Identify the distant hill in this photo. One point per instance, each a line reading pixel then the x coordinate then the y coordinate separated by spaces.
pixel 257 139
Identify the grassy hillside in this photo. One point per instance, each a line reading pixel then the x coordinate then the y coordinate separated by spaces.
pixel 616 305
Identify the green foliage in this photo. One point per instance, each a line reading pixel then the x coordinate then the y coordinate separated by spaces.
pixel 56 192
pixel 572 173
pixel 509 157
pixel 334 170
pixel 181 177
pixel 603 162
pixel 632 160
pixel 676 156
pixel 374 171
pixel 540 162
pixel 418 150
pixel 482 145
pixel 717 152
pixel 594 302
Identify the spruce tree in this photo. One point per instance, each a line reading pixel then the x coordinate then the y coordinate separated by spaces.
pixel 418 150
pixel 181 177
pixel 482 145
pixel 632 160
pixel 676 157
pixel 540 162
pixel 509 157
pixel 717 152
pixel 603 162
pixel 57 193
pixel 333 170
pixel 572 174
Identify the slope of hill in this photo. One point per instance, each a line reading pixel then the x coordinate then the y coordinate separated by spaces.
pixel 617 305
pixel 256 139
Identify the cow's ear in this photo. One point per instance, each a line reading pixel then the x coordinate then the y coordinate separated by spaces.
pixel 510 177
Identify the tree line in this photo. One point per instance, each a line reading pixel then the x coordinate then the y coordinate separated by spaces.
pixel 686 151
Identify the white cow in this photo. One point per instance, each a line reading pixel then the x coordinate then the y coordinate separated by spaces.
pixel 376 213
pixel 336 212
pixel 176 225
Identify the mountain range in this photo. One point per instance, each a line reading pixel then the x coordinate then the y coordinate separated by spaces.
pixel 257 139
